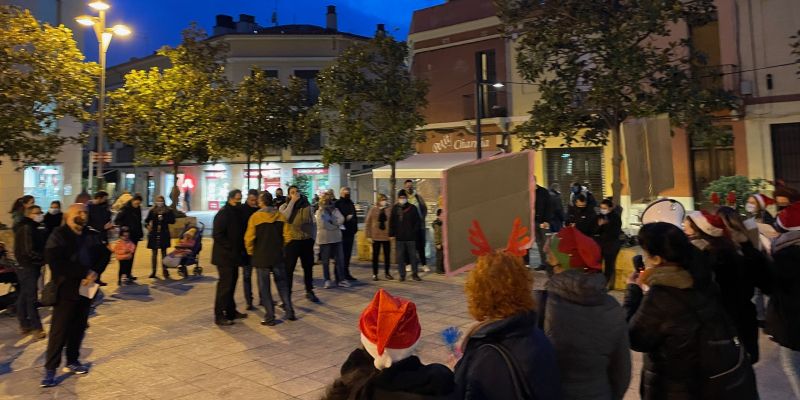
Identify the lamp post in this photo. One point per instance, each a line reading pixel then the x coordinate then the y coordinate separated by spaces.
pixel 104 36
pixel 479 85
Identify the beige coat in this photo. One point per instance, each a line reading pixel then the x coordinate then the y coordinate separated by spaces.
pixel 372 224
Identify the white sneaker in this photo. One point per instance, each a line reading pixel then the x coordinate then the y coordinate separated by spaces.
pixel 426 268
pixel 344 283
pixel 408 268
pixel 327 284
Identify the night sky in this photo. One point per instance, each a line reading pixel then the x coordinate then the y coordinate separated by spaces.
pixel 157 23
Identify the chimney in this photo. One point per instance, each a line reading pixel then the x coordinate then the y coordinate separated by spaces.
pixel 330 18
pixel 224 25
pixel 381 31
pixel 246 24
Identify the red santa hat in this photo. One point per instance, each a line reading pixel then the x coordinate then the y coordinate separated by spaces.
pixel 763 200
pixel 789 217
pixel 390 329
pixel 583 252
pixel 708 223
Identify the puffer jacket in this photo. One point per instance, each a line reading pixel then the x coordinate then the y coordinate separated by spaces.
pixel 328 225
pixel 373 224
pixel 593 366
pixel 663 324
pixel 264 238
pixel 482 372
pixel 29 241
pixel 783 324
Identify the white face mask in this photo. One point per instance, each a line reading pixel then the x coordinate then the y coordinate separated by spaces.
pixel 751 208
pixel 403 201
pixel 604 211
pixel 38 217
pixel 54 210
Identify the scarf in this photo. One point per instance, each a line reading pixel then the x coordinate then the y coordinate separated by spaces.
pixel 382 219
pixel 667 275
pixel 300 204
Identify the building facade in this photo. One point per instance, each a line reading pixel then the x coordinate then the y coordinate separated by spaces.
pixel 60 180
pixel 282 51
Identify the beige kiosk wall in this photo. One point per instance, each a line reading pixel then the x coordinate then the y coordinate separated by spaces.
pixel 494 191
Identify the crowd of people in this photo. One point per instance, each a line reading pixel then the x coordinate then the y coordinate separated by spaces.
pixel 693 306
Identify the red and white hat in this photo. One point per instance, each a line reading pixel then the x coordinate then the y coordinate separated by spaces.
pixel 763 201
pixel 708 223
pixel 789 217
pixel 390 329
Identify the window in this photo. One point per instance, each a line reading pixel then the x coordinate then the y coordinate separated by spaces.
pixel 309 78
pixel 271 73
pixel 711 160
pixel 786 153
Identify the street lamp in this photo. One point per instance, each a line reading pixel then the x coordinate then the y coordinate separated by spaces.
pixel 104 36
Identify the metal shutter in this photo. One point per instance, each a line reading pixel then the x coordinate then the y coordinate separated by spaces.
pixel 568 165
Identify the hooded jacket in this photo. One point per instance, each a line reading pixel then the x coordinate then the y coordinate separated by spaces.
pixel 407 379
pixel 263 239
pixel 482 373
pixel 783 324
pixel 596 365
pixel 29 241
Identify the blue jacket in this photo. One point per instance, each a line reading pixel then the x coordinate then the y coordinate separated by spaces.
pixel 482 372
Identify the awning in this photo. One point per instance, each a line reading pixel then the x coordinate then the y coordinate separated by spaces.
pixel 429 165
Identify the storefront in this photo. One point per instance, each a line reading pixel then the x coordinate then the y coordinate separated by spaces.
pixel 270 179
pixel 216 185
pixel 312 181
pixel 45 183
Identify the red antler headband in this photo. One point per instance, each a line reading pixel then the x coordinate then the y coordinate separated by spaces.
pixel 518 241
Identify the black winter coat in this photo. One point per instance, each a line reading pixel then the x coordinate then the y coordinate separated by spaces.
pixel 608 233
pixel 52 221
pixel 29 241
pixel 229 228
pixel 407 379
pixel 99 216
pixel 405 223
pixel 584 218
pixel 158 221
pixel 542 206
pixel 346 207
pixel 558 218
pixel 131 218
pixel 482 372
pixel 664 325
pixel 783 311
pixel 596 365
pixel 70 257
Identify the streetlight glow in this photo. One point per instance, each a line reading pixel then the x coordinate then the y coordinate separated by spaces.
pixel 86 20
pixel 121 30
pixel 99 5
pixel 498 85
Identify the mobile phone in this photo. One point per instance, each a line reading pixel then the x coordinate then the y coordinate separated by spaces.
pixel 638 263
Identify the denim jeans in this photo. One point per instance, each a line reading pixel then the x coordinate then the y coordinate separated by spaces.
pixel 790 360
pixel 326 251
pixel 265 291
pixel 27 313
pixel 406 255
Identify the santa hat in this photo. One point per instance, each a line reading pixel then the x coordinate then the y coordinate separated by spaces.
pixel 789 217
pixel 573 249
pixel 708 223
pixel 390 329
pixel 763 200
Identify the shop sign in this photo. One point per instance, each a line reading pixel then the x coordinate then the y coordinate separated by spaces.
pixel 456 143
pixel 311 171
pixel 265 173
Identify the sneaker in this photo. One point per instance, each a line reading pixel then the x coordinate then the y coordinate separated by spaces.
pixel 426 268
pixel 76 368
pixel 327 284
pixel 345 284
pixel 39 334
pixel 408 268
pixel 269 322
pixel 49 379
pixel 416 278
pixel 375 278
pixel 311 296
pixel 388 276
pixel 223 322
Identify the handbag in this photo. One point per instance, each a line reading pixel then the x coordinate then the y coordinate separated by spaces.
pixel 50 293
pixel 521 388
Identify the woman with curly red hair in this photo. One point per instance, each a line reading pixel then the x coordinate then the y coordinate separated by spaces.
pixel 506 356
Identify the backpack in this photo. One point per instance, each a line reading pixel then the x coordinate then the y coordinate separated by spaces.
pixel 724 363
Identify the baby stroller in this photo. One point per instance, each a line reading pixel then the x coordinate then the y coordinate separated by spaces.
pixel 192 255
pixel 8 274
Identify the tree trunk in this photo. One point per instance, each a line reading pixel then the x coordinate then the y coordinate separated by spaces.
pixel 393 182
pixel 616 163
pixel 175 193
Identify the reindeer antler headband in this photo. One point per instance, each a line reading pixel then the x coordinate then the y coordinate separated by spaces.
pixel 518 241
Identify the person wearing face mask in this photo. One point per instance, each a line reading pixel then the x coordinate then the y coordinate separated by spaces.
pixel 329 237
pixel 29 241
pixel 54 217
pixel 70 253
pixel 404 228
pixel 416 200
pixel 578 189
pixel 348 210
pixel 377 231
pixel 100 220
pixel 785 196
pixel 158 220
pixel 130 217
pixel 756 206
pixel 609 228
pixel 582 216
pixel 229 230
pixel 279 198
pixel 249 208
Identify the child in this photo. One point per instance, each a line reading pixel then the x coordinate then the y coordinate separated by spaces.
pixel 437 241
pixel 123 249
pixel 182 249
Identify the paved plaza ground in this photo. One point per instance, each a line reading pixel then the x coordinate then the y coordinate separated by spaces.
pixel 160 342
